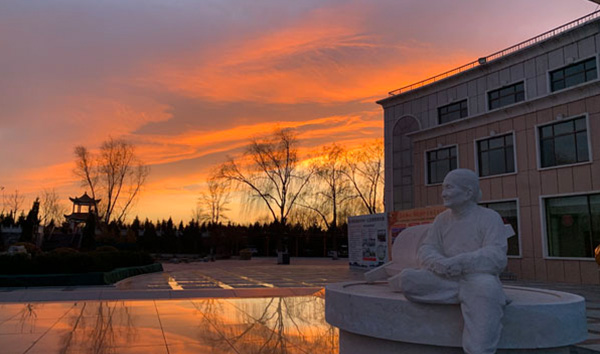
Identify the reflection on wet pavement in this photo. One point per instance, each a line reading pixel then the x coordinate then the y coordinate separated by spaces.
pixel 237 325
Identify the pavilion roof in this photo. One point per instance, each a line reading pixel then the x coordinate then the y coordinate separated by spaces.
pixel 84 199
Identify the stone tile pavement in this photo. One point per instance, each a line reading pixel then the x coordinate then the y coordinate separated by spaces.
pixel 256 273
pixel 259 277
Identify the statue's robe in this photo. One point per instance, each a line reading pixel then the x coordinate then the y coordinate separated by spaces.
pixel 476 244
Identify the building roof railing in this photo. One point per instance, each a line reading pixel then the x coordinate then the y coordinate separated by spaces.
pixel 481 61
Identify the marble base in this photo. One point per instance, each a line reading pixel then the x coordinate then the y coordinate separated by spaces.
pixel 351 343
pixel 535 319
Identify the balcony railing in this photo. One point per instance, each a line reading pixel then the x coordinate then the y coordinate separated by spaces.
pixel 481 61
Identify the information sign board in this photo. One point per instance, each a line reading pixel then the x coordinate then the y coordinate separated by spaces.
pixel 367 240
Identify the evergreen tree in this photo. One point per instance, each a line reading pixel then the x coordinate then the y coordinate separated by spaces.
pixel 8 220
pixel 149 240
pixel 30 223
pixel 88 235
pixel 136 225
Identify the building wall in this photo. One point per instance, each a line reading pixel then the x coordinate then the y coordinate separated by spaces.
pixel 530 66
pixel 529 184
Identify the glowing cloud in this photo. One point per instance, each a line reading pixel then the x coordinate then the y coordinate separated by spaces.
pixel 191 82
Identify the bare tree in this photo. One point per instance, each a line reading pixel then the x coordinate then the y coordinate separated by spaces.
pixel 332 188
pixel 198 213
pixel 365 173
pixel 3 205
pixel 115 174
pixel 215 199
pixel 304 216
pixel 52 209
pixel 13 202
pixel 271 173
pixel 86 169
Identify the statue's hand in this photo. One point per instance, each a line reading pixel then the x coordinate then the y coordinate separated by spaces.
pixel 454 270
pixel 447 267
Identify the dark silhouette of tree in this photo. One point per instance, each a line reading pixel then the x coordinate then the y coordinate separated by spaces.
pixel 52 211
pixel 7 220
pixel 269 171
pixel 332 187
pixel 213 202
pixel 86 169
pixel 31 222
pixel 136 225
pixel 21 218
pixel 191 237
pixel 88 234
pixel 51 208
pixel 115 174
pixel 149 240
pixel 13 202
pixel 365 172
pixel 224 240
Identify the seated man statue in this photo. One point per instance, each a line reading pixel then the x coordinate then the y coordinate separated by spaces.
pixel 460 261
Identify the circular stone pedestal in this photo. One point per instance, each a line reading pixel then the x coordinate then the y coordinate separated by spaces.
pixel 372 318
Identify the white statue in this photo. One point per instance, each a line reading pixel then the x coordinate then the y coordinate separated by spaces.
pixel 460 260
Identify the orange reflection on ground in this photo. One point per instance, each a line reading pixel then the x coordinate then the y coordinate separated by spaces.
pixel 256 325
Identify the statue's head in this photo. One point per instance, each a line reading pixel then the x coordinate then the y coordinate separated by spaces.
pixel 460 187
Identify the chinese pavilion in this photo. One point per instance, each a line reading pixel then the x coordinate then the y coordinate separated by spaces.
pixel 82 207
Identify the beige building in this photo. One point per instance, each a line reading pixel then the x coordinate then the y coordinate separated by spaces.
pixel 527 120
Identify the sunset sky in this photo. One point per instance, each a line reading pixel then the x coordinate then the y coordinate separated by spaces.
pixel 189 82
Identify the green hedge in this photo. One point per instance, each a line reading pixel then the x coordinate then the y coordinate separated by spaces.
pixel 93 278
pixel 72 262
pixel 27 280
pixel 122 273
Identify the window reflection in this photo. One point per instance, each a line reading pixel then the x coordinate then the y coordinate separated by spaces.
pixel 572 226
pixel 564 143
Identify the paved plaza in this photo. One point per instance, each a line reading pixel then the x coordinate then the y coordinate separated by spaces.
pixel 227 306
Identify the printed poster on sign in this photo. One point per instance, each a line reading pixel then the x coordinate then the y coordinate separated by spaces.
pixel 400 220
pixel 367 240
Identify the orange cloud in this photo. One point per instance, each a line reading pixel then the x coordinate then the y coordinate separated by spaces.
pixel 162 149
pixel 329 56
pixel 334 59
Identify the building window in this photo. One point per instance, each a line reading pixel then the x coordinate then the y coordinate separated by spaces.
pixel 452 112
pixel 573 74
pixel 509 214
pixel 506 95
pixel 496 156
pixel 564 143
pixel 573 225
pixel 439 163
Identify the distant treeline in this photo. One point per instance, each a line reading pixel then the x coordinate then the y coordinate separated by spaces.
pixel 204 239
pixel 225 240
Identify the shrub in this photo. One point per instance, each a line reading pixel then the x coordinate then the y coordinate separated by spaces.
pixel 19 263
pixel 63 261
pixel 106 249
pixel 67 260
pixel 64 250
pixel 32 249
